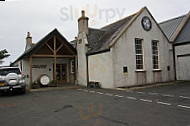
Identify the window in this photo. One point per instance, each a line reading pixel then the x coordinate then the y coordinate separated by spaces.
pixel 72 66
pixel 155 54
pixel 139 54
pixel 125 70
pixel 4 72
pixel 168 68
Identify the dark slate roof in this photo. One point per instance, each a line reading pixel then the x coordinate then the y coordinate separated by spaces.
pixel 184 34
pixel 170 27
pixel 99 39
pixel 73 43
pixel 35 47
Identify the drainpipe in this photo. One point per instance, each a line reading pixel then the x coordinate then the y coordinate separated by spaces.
pixel 175 75
pixel 87 72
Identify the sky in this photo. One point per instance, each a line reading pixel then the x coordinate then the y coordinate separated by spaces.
pixel 39 17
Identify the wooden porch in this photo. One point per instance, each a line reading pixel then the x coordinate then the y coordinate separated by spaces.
pixel 54 46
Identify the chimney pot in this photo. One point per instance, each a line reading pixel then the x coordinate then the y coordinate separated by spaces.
pixel 83 23
pixel 28 41
pixel 83 13
pixel 28 34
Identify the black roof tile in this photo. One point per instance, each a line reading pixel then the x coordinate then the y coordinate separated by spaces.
pixel 99 39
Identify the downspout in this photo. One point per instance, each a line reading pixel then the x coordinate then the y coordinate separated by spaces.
pixel 87 72
pixel 175 76
pixel 76 70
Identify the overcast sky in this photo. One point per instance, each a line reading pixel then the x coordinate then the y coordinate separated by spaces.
pixel 40 17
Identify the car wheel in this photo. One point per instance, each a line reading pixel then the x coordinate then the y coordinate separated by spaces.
pixel 12 79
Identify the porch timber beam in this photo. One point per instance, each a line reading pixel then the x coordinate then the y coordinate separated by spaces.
pixel 65 56
pixel 52 56
pixel 49 47
pixel 59 47
pixel 66 46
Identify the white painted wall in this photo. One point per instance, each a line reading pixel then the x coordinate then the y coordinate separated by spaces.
pixel 81 53
pixel 36 72
pixel 101 70
pixel 182 63
pixel 124 55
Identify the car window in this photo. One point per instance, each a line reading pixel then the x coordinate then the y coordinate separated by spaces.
pixel 4 72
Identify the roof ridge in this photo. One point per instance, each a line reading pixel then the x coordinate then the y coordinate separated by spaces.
pixel 54 30
pixel 119 20
pixel 40 42
pixel 172 19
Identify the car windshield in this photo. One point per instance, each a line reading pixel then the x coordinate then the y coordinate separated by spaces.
pixel 4 72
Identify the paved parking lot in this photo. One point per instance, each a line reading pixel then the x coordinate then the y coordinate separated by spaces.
pixel 165 105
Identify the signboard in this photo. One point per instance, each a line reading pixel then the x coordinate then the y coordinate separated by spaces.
pixel 39 66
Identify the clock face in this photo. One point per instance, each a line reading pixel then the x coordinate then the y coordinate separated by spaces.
pixel 146 23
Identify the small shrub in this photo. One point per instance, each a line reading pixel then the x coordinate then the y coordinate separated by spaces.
pixel 54 83
pixel 35 85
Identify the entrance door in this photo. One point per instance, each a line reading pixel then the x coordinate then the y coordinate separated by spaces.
pixel 61 73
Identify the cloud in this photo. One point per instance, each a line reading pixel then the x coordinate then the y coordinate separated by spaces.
pixel 41 17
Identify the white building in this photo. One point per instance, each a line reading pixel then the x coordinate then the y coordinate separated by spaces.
pixel 178 32
pixel 53 56
pixel 131 51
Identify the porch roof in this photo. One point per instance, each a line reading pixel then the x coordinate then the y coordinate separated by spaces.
pixel 38 45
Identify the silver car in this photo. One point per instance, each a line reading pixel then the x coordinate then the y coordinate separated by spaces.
pixel 12 79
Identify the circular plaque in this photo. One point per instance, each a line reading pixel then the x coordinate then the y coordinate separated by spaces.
pixel 146 23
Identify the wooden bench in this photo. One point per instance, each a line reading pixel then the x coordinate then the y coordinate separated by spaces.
pixel 94 84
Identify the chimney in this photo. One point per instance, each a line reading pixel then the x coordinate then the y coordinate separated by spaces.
pixel 28 41
pixel 83 23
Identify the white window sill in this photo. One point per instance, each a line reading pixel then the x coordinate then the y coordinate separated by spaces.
pixel 140 70
pixel 156 70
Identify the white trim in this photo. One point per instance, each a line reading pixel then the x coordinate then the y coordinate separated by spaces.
pixel 140 70
pixel 142 44
pixel 158 49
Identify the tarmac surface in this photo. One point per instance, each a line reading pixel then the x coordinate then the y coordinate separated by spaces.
pixel 167 105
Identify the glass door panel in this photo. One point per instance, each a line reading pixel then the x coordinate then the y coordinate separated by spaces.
pixel 61 73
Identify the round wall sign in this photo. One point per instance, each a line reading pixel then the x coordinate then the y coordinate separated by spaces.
pixel 146 23
pixel 44 80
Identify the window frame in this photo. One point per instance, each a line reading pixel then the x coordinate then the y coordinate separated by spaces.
pixel 139 54
pixel 72 65
pixel 156 55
